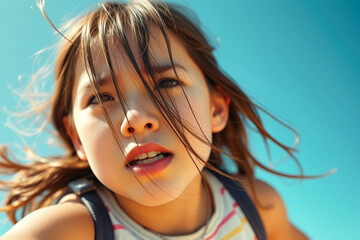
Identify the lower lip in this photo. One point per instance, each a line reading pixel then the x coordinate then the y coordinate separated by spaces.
pixel 151 168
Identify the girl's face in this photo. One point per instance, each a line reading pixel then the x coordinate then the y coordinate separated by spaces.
pixel 167 168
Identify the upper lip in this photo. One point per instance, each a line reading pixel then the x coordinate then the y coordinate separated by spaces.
pixel 144 148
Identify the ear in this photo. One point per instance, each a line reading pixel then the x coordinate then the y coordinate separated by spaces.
pixel 72 133
pixel 219 109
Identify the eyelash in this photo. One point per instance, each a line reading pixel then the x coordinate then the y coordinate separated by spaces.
pixel 160 84
pixel 102 96
pixel 163 81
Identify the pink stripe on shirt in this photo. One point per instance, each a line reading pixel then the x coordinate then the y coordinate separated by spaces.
pixel 222 190
pixel 227 218
pixel 118 227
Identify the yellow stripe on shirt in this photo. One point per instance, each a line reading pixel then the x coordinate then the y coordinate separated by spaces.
pixel 236 230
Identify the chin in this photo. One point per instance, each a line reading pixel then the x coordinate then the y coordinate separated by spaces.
pixel 156 196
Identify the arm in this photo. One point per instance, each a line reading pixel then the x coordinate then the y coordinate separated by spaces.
pixel 272 212
pixel 59 222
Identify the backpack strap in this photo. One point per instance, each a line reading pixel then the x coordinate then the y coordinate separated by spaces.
pixel 86 191
pixel 239 194
pixel 103 226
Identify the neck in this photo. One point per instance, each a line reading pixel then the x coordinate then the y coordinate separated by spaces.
pixel 184 215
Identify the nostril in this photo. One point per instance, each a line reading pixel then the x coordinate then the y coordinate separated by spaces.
pixel 148 125
pixel 131 129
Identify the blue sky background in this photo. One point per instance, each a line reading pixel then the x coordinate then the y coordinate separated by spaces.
pixel 300 59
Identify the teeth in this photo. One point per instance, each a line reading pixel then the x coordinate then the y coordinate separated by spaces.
pixel 146 155
pixel 142 156
pixel 151 154
pixel 150 160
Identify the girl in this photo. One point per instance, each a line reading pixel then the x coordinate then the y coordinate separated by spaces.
pixel 147 115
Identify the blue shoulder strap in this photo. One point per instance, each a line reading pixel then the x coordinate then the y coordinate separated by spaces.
pixel 86 191
pixel 239 194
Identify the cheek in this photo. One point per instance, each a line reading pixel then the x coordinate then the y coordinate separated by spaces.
pixel 197 118
pixel 196 112
pixel 99 145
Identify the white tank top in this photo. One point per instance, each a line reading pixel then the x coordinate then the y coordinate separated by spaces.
pixel 227 221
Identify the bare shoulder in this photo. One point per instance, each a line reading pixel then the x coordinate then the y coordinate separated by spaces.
pixel 272 210
pixel 66 220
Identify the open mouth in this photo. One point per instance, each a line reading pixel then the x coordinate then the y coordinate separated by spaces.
pixel 148 158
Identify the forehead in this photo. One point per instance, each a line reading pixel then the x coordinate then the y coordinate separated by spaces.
pixel 158 51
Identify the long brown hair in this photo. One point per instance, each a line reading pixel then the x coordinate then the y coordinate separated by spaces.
pixel 40 183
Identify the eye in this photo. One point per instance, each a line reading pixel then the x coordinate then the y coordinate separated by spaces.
pixel 168 83
pixel 103 97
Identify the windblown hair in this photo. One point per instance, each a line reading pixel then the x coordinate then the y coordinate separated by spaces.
pixel 38 184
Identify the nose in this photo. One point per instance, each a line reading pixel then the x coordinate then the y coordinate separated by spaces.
pixel 137 122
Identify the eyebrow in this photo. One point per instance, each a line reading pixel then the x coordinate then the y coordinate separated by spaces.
pixel 158 70
pixel 101 82
pixel 166 67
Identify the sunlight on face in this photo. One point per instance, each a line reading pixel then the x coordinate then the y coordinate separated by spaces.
pixel 162 168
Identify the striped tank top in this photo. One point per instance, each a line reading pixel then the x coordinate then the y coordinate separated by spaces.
pixel 227 221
